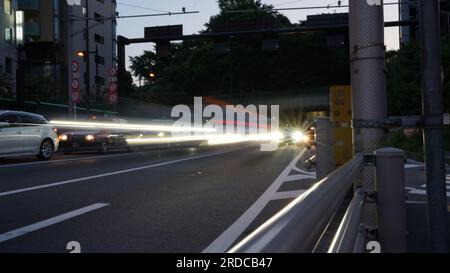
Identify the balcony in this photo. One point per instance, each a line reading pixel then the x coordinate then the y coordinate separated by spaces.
pixel 28 5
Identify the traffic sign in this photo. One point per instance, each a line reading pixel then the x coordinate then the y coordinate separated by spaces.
pixel 447 119
pixel 113 72
pixel 75 84
pixel 75 67
pixel 76 98
pixel 113 87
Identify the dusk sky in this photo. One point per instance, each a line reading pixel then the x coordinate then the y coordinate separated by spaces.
pixel 134 28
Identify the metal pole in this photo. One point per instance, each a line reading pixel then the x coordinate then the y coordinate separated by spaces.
pixel 97 86
pixel 324 148
pixel 433 131
pixel 88 60
pixel 369 88
pixel 390 185
pixel 69 51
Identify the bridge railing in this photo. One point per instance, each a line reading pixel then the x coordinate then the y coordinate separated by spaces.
pixel 299 226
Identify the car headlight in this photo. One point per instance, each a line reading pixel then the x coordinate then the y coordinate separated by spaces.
pixel 63 138
pixel 278 136
pixel 90 138
pixel 298 136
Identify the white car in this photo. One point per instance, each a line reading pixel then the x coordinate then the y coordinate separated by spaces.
pixel 24 133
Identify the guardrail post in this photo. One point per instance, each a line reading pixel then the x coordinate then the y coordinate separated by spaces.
pixel 324 148
pixel 391 207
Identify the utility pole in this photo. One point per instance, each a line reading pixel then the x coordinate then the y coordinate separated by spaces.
pixel 433 124
pixel 368 87
pixel 88 58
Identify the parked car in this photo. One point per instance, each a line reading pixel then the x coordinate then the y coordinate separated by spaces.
pixel 24 133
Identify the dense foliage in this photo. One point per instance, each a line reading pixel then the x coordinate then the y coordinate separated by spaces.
pixel 195 68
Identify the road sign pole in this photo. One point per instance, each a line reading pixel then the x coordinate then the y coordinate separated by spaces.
pixel 433 131
pixel 368 86
pixel 324 148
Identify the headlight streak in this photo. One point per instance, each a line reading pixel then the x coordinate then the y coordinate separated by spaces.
pixel 212 140
pixel 129 127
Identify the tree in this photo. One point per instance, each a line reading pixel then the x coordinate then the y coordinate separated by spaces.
pixel 193 68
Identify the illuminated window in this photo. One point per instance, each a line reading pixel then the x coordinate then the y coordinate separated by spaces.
pixel 7 6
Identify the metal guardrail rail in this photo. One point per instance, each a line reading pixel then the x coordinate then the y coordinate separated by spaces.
pixel 347 233
pixel 299 226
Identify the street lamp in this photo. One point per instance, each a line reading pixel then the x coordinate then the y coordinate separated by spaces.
pixel 85 54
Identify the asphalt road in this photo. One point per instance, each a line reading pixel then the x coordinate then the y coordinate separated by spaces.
pixel 183 200
pixel 156 201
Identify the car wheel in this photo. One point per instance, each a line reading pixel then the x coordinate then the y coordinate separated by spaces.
pixel 46 150
pixel 104 148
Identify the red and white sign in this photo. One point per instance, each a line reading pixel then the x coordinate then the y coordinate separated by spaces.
pixel 113 94
pixel 75 67
pixel 113 72
pixel 76 97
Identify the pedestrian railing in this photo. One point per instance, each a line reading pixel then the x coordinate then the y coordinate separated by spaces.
pixel 299 226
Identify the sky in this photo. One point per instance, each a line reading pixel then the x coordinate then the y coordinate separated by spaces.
pixel 134 28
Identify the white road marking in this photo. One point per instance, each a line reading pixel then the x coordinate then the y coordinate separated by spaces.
pixel 229 236
pixel 68 160
pixel 49 222
pixel 416 202
pixel 411 166
pixel 299 177
pixel 2 194
pixel 287 195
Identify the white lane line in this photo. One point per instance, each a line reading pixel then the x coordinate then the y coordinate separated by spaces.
pixel 229 236
pixel 416 202
pixel 49 222
pixel 68 160
pixel 2 194
pixel 298 177
pixel 412 166
pixel 287 195
pixel 420 192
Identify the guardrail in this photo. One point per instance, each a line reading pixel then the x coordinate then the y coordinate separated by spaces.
pixel 299 226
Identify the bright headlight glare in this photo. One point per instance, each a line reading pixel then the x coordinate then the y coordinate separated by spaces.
pixel 63 138
pixel 298 136
pixel 90 138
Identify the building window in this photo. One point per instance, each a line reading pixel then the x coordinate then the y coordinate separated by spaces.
pixel 100 60
pixel 8 35
pixel 99 39
pixel 99 18
pixel 8 65
pixel 7 7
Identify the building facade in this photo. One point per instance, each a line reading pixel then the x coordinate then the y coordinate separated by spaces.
pixel 102 48
pixel 409 11
pixel 8 42
pixel 54 31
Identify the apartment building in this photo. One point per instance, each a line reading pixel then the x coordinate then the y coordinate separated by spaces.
pixel 409 11
pixel 8 41
pixel 102 43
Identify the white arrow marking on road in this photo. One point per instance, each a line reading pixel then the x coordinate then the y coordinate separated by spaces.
pixel 49 222
pixel 106 175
